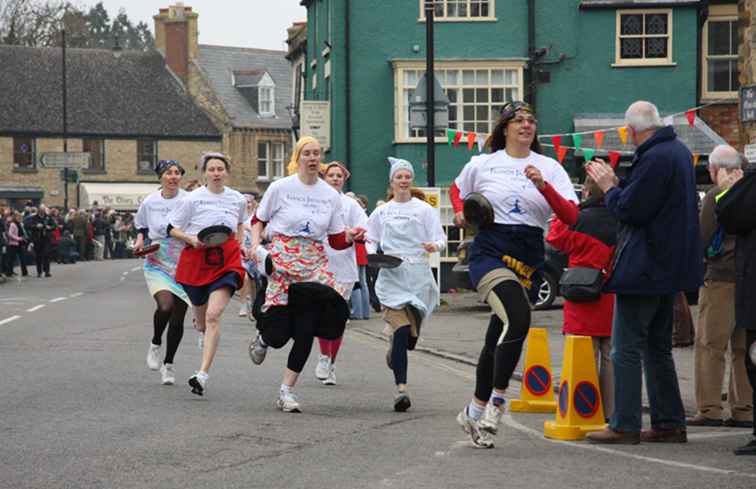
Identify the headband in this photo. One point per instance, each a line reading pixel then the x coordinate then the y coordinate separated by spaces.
pixel 163 166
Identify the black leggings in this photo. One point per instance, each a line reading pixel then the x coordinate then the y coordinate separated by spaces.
pixel 751 370
pixel 280 328
pixel 399 347
pixel 500 355
pixel 170 311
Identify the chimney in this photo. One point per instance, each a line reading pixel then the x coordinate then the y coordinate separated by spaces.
pixel 176 37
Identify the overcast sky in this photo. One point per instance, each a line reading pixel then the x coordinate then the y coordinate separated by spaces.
pixel 247 23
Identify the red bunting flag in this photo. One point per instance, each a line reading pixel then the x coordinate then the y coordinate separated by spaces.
pixel 457 138
pixel 598 136
pixel 557 142
pixel 614 157
pixel 561 153
pixel 471 136
pixel 691 115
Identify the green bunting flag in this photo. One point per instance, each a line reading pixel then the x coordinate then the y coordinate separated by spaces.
pixel 577 140
pixel 588 153
pixel 450 133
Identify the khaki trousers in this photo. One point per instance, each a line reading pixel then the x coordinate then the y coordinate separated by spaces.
pixel 716 329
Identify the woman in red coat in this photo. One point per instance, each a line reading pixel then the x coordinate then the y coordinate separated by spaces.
pixel 587 234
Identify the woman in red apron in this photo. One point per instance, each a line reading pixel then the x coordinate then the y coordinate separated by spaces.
pixel 209 273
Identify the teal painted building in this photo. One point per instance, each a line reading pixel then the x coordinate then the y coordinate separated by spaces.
pixel 581 62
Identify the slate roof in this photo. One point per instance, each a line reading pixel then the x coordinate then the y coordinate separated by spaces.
pixel 134 95
pixel 700 138
pixel 637 3
pixel 220 62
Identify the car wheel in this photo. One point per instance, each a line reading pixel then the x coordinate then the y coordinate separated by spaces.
pixel 547 293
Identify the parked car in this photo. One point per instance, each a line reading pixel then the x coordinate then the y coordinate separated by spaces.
pixel 556 264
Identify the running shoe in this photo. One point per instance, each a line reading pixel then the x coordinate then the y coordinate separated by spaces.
pixel 153 357
pixel 402 402
pixel 167 374
pixel 323 368
pixel 287 403
pixel 198 383
pixel 243 311
pixel 491 418
pixel 257 350
pixel 480 439
pixel 331 379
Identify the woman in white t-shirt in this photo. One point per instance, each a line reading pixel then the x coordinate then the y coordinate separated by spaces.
pixel 410 229
pixel 303 298
pixel 209 274
pixel 343 264
pixel 160 267
pixel 507 255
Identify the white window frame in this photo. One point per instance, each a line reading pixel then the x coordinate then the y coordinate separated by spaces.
pixel 268 87
pixel 621 62
pixel 274 167
pixel 717 13
pixel 491 17
pixel 402 133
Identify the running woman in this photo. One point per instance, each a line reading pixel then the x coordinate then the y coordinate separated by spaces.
pixel 507 256
pixel 343 264
pixel 302 299
pixel 209 274
pixel 160 267
pixel 408 228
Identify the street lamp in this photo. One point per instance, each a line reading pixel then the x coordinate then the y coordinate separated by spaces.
pixel 65 118
pixel 430 129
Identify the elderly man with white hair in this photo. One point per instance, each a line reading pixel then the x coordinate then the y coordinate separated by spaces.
pixel 716 321
pixel 658 254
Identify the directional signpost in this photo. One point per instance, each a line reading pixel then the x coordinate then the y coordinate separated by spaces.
pixel 67 162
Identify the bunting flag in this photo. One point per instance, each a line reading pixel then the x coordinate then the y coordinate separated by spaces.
pixel 614 157
pixel 598 136
pixel 577 140
pixel 561 153
pixel 691 116
pixel 622 133
pixel 557 142
pixel 471 136
pixel 588 153
pixel 450 133
pixel 481 143
pixel 457 138
pixel 696 156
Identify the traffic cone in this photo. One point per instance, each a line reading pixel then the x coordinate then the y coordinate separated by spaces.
pixel 536 394
pixel 579 411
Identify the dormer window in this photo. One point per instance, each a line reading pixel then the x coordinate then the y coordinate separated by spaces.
pixel 267 96
pixel 258 88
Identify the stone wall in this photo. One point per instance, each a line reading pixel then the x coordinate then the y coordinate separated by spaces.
pixel 746 61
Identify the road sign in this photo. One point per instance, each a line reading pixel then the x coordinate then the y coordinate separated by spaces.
pixel 586 399
pixel 419 111
pixel 750 152
pixel 564 394
pixel 537 380
pixel 65 160
pixel 316 121
pixel 748 103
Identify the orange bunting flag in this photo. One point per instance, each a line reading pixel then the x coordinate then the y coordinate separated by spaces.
pixel 614 157
pixel 457 138
pixel 471 136
pixel 696 156
pixel 598 136
pixel 622 132
pixel 557 142
pixel 691 116
pixel 561 153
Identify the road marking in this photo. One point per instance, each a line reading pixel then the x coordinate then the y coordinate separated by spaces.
pixel 77 294
pixel 718 434
pixel 123 278
pixel 8 320
pixel 525 429
pixel 58 299
pixel 136 269
pixel 35 308
pixel 125 273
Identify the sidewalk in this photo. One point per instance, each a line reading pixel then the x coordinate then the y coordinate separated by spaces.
pixel 458 327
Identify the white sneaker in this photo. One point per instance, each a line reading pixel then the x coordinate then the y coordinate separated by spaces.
pixel 257 350
pixel 167 374
pixel 153 357
pixel 200 340
pixel 480 439
pixel 323 368
pixel 198 381
pixel 491 418
pixel 331 379
pixel 243 311
pixel 287 403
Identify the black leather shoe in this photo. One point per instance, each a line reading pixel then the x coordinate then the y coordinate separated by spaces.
pixel 749 449
pixel 733 423
pixel 701 420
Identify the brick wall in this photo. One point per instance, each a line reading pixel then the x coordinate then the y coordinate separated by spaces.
pixel 723 119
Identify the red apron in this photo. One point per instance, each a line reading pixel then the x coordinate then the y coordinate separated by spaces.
pixel 203 266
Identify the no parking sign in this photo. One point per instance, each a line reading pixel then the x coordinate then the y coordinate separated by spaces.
pixel 586 399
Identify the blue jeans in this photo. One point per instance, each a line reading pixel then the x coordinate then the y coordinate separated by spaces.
pixel 361 297
pixel 642 331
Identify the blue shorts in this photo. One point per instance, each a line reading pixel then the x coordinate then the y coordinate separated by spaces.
pixel 199 295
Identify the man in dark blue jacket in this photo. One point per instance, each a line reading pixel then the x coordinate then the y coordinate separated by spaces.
pixel 658 254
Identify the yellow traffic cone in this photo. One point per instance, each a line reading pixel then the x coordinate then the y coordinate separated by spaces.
pixel 580 410
pixel 536 394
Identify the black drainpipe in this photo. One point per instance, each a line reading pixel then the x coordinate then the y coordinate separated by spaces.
pixel 348 92
pixel 530 75
pixel 703 14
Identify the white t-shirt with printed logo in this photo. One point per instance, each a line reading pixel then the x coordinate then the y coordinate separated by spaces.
pixel 202 208
pixel 501 179
pixel 154 211
pixel 343 263
pixel 292 208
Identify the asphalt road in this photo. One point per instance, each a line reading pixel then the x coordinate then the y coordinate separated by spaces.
pixel 79 409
